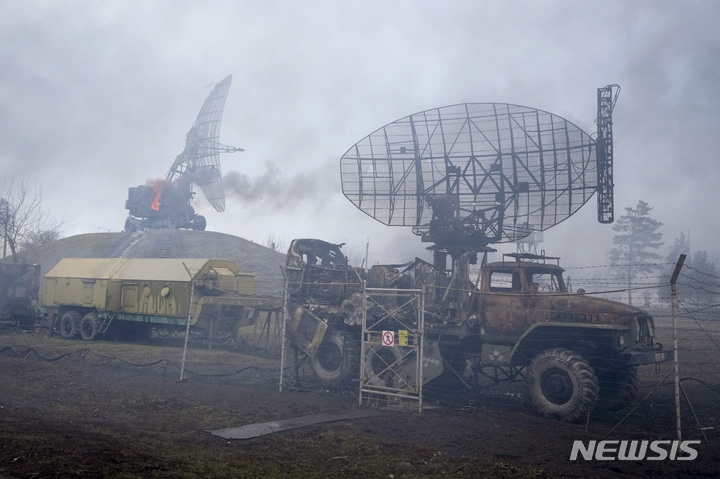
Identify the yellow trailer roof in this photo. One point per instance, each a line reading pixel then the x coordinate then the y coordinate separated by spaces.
pixel 86 268
pixel 153 269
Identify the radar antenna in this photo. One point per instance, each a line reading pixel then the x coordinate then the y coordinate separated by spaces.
pixel 471 175
pixel 199 162
pixel 166 203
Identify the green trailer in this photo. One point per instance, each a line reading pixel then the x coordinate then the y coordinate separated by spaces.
pixel 87 297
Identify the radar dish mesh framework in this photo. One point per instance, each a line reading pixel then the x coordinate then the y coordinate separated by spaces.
pixel 199 162
pixel 472 174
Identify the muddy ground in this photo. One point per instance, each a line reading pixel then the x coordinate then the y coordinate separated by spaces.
pixel 72 409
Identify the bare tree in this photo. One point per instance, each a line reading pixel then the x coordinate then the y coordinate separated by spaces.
pixel 275 244
pixel 23 224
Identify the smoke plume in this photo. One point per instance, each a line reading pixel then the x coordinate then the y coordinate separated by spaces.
pixel 273 189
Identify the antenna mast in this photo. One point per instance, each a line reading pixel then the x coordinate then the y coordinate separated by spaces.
pixel 605 201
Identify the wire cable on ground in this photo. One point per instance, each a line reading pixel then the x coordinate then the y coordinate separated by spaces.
pixel 26 351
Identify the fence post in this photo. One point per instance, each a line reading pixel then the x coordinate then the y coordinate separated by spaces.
pixel 285 316
pixel 187 326
pixel 673 281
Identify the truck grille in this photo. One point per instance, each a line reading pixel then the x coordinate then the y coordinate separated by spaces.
pixel 645 334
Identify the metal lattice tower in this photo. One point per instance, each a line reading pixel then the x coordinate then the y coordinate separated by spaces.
pixel 605 201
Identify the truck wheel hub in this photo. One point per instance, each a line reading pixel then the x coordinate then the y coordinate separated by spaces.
pixel 556 386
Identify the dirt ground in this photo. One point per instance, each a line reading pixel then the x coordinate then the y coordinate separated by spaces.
pixel 72 409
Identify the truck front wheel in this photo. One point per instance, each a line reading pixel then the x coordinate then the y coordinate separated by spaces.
pixel 562 384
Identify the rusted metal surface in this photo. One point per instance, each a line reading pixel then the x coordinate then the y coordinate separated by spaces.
pixel 575 350
pixel 534 293
pixel 319 273
pixel 520 295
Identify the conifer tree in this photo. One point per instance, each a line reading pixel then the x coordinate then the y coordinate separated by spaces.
pixel 637 237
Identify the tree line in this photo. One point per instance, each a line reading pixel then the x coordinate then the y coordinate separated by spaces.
pixel 635 254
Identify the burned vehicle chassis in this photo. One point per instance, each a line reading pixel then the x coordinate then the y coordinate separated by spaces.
pixel 574 351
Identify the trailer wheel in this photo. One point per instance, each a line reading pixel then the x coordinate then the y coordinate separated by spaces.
pixel 337 358
pixel 89 326
pixel 562 384
pixel 618 387
pixel 70 324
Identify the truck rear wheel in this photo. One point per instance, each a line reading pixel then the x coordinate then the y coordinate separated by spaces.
pixel 89 326
pixel 199 223
pixel 562 384
pixel 337 358
pixel 70 324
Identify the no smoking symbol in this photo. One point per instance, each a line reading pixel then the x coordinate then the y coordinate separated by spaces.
pixel 388 338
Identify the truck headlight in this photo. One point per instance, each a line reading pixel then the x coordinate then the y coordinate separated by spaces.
pixel 621 340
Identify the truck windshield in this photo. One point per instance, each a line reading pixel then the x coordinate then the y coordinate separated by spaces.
pixel 546 282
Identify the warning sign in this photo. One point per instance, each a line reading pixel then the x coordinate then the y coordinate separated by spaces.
pixel 403 337
pixel 388 338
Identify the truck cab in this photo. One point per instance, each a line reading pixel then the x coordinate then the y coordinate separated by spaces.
pixel 524 303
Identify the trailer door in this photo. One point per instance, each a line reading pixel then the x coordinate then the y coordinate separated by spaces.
pixel 128 296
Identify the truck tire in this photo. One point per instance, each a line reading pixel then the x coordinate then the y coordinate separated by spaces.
pixel 130 226
pixel 562 384
pixel 199 223
pixel 337 358
pixel 89 326
pixel 70 324
pixel 618 387
pixel 382 367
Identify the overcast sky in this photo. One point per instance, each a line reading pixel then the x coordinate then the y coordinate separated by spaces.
pixel 96 96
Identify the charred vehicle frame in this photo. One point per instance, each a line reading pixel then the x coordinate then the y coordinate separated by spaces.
pixel 574 350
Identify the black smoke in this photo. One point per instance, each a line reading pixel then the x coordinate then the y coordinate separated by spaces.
pixel 272 188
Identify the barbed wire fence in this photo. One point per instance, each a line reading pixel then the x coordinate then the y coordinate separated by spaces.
pixel 652 413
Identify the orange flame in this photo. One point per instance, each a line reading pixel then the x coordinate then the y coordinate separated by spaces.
pixel 158 186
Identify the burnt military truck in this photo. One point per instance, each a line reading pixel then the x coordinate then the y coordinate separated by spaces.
pixel 90 297
pixel 575 351
pixel 19 286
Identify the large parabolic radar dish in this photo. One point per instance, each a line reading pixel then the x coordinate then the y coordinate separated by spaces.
pixel 472 174
pixel 199 162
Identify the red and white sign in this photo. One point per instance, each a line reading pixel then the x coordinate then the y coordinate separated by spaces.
pixel 388 338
